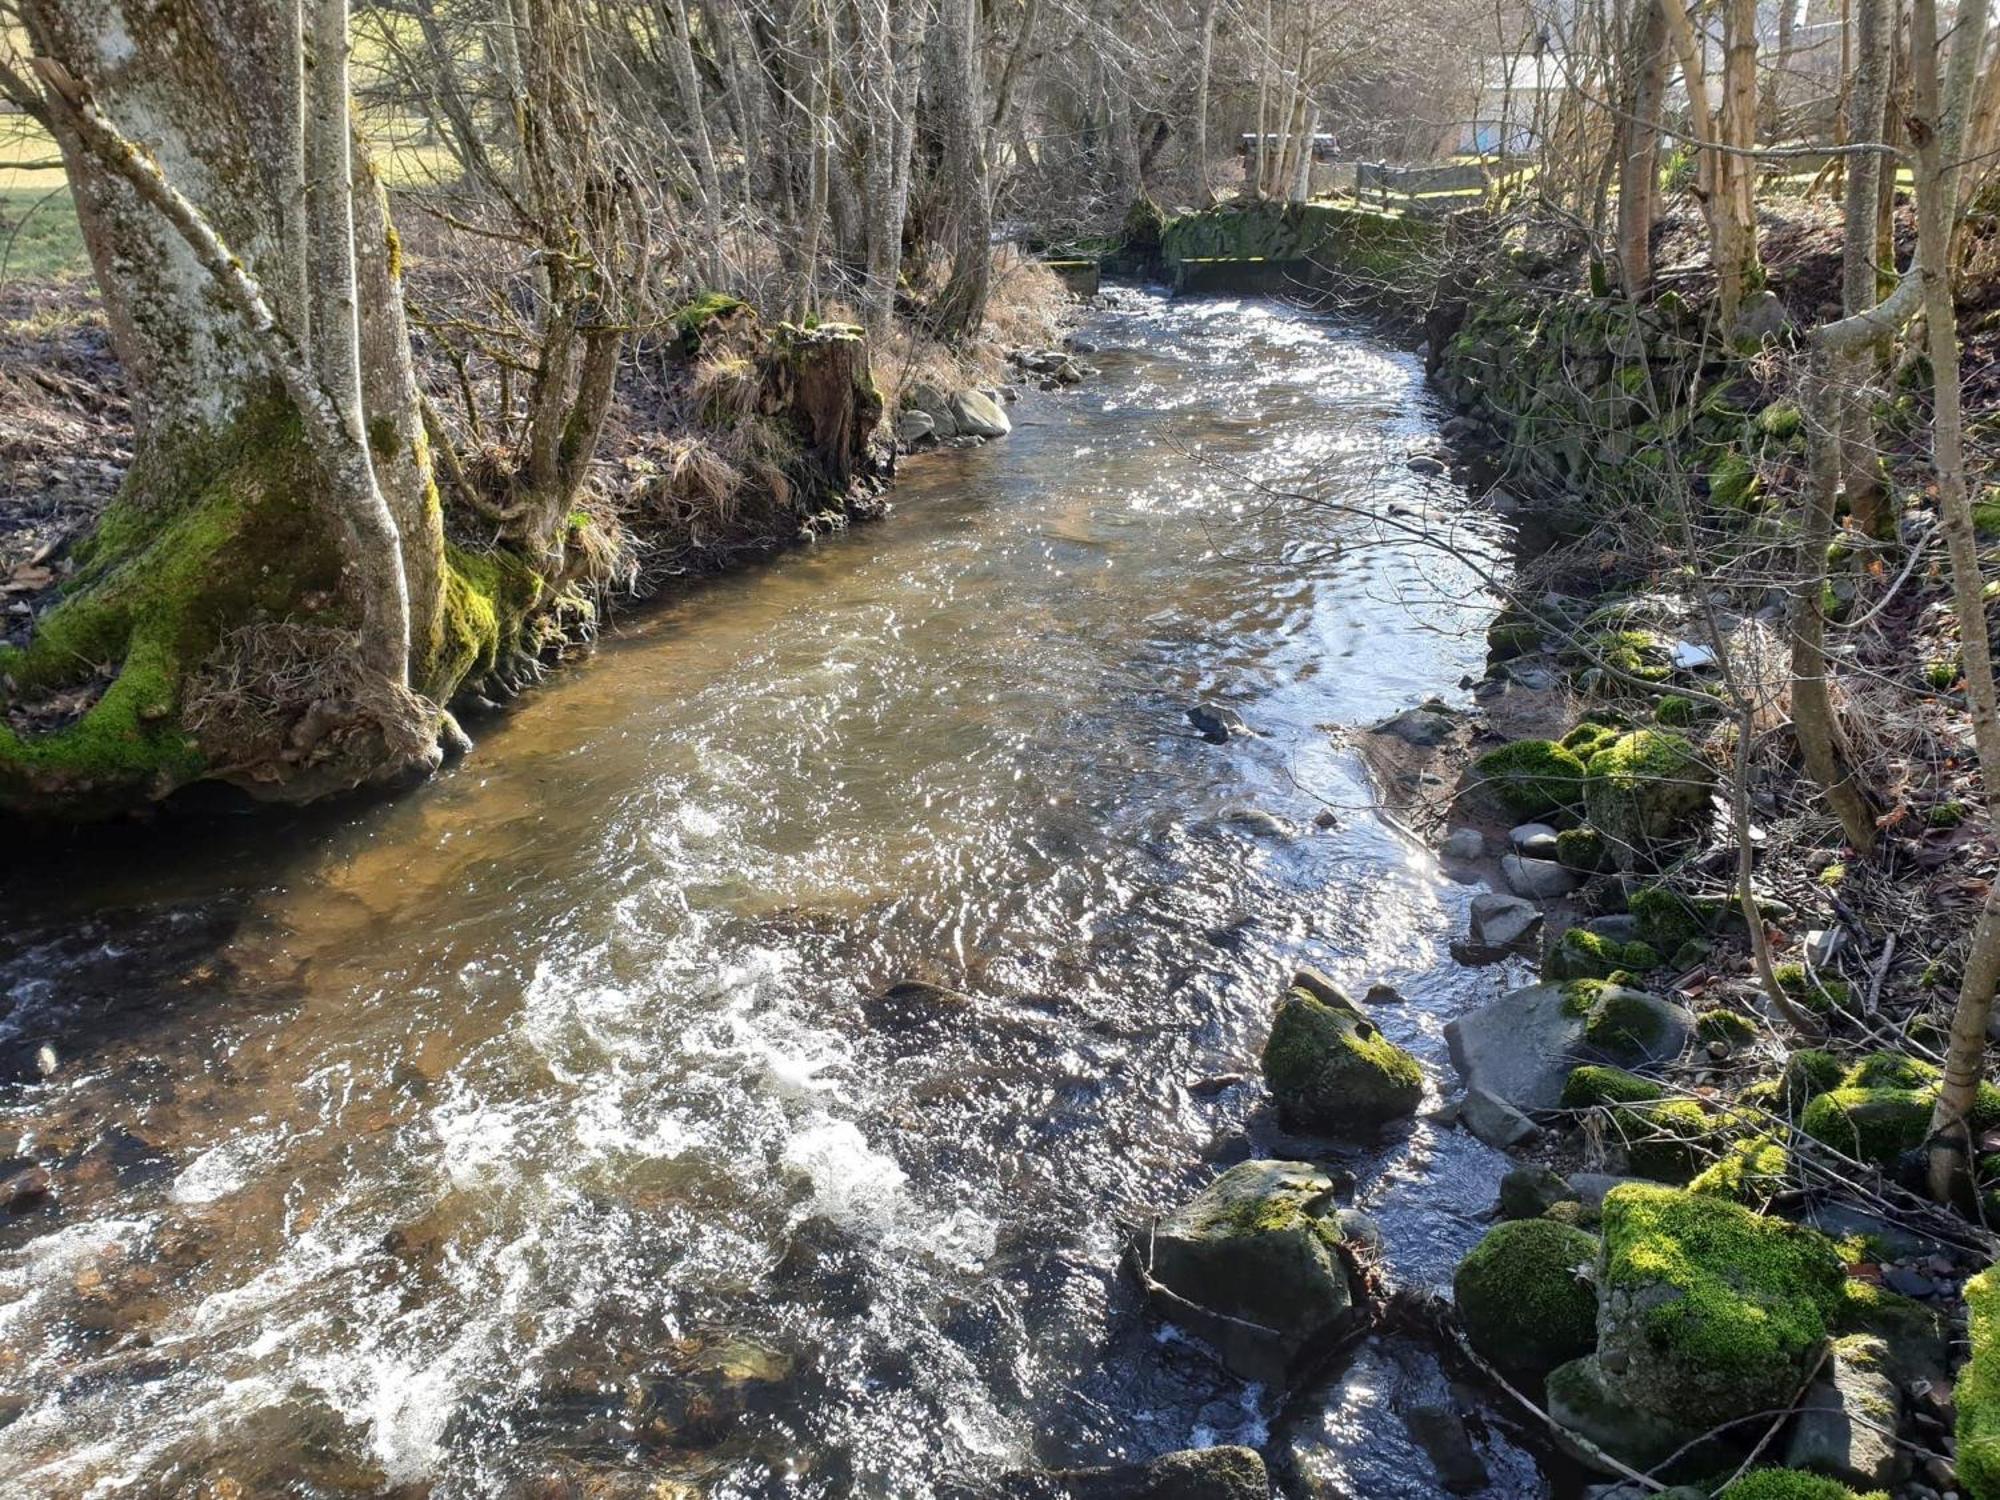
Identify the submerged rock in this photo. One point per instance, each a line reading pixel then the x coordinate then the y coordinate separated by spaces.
pixel 1194 1474
pixel 1498 921
pixel 1217 724
pixel 1255 1267
pixel 1329 1067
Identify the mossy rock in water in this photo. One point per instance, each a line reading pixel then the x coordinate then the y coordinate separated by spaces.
pixel 1648 787
pixel 1592 1085
pixel 1533 778
pixel 1510 636
pixel 1254 1265
pixel 1752 1171
pixel 1792 1484
pixel 1330 1068
pixel 1710 1312
pixel 1524 1294
pixel 1582 954
pixel 1978 1391
pixel 1667 1141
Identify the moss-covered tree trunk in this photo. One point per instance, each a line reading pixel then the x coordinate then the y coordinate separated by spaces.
pixel 277 544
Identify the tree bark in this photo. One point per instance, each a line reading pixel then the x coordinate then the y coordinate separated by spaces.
pixel 959 93
pixel 1639 153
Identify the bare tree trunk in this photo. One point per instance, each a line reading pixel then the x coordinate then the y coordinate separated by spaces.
pixel 1206 192
pixel 1639 153
pixel 1943 111
pixel 959 93
pixel 680 53
pixel 1860 276
pixel 1771 105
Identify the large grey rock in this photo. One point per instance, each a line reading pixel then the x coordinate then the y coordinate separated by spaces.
pixel 936 405
pixel 1543 879
pixel 1846 1427
pixel 1580 1400
pixel 914 427
pixel 1519 1047
pixel 1495 1121
pixel 1463 844
pixel 1422 727
pixel 1498 920
pixel 979 415
pixel 1536 840
pixel 1252 1267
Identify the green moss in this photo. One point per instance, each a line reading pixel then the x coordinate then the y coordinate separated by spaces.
pixel 1533 778
pixel 1593 1085
pixel 1781 420
pixel 1589 737
pixel 1579 995
pixel 1331 1068
pixel 1814 993
pixel 1733 482
pixel 1624 1022
pixel 1876 1125
pixel 1728 1026
pixel 1666 1141
pixel 1889 1070
pixel 1524 1294
pixel 1582 954
pixel 1978 1391
pixel 1833 875
pixel 1636 654
pixel 204 536
pixel 1947 814
pixel 1667 918
pixel 1581 850
pixel 1674 710
pixel 1809 1072
pixel 1753 1171
pixel 1509 637
pixel 1719 1310
pixel 1647 787
pixel 1792 1484
pixel 691 320
pixel 488 596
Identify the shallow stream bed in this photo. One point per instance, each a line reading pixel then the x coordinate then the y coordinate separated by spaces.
pixel 541 1128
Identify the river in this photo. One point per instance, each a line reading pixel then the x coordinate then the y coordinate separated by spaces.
pixel 537 1132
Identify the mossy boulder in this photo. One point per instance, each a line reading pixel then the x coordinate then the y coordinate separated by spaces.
pixel 1809 1072
pixel 1330 1068
pixel 1256 1266
pixel 1730 1027
pixel 1882 1108
pixel 1708 1311
pixel 1633 1027
pixel 1648 787
pixel 1580 953
pixel 1978 1390
pixel 1667 1141
pixel 1582 850
pixel 1667 918
pixel 1524 1294
pixel 1533 779
pixel 1591 1085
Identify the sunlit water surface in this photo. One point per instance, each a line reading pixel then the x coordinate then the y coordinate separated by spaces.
pixel 535 1133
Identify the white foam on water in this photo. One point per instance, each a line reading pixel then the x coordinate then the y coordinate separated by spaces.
pixel 223 1169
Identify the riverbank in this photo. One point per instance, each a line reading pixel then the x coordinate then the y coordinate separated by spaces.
pixel 1577 786
pixel 725 440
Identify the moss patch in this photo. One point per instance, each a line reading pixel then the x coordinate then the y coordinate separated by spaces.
pixel 1751 1171
pixel 1715 1311
pixel 1648 787
pixel 1330 1068
pixel 1592 1085
pixel 204 537
pixel 1533 778
pixel 1792 1484
pixel 1524 1294
pixel 1582 954
pixel 1978 1391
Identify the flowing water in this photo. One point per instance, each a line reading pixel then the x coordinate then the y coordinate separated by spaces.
pixel 540 1132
